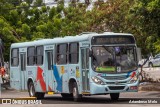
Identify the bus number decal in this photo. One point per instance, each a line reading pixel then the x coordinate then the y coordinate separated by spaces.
pixel 77 72
pixel 30 73
pixel 118 69
pixel 62 70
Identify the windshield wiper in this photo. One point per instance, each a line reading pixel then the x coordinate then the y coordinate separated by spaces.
pixel 110 51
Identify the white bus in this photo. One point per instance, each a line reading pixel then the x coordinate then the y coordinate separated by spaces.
pixel 74 66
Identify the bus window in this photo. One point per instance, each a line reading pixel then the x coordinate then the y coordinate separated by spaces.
pixel 83 59
pixel 73 53
pixel 87 58
pixel 62 53
pixel 14 57
pixel 50 59
pixel 31 56
pixel 39 52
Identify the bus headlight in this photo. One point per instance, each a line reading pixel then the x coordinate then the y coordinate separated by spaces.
pixel 134 79
pixel 97 80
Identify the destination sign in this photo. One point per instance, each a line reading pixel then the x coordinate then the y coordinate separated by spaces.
pixel 119 39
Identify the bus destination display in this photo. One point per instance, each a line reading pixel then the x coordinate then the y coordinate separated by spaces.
pixel 100 40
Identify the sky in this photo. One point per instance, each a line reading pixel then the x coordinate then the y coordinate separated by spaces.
pixel 53 3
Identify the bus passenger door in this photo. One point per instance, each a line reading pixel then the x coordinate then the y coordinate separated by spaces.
pixel 23 71
pixel 85 69
pixel 49 70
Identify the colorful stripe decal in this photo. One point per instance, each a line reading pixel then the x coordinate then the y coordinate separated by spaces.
pixel 128 74
pixel 49 88
pixel 41 79
pixel 58 78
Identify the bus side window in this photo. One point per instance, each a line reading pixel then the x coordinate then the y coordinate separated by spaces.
pixel 62 53
pixel 73 53
pixel 31 55
pixel 50 60
pixel 39 57
pixel 14 57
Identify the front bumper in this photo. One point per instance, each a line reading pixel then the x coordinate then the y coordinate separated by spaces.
pixel 113 88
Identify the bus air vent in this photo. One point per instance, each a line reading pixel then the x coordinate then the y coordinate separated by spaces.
pixel 114 77
pixel 116 87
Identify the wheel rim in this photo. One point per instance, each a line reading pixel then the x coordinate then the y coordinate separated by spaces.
pixel 74 92
pixel 31 90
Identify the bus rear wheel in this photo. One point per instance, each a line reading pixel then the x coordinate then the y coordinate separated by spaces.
pixel 32 93
pixel 114 96
pixel 76 95
pixel 31 89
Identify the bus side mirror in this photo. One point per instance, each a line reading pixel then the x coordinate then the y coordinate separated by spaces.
pixel 90 53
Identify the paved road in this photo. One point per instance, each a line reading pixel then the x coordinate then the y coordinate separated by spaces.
pixel 96 99
pixel 140 94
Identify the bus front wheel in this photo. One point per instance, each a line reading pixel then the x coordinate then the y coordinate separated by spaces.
pixel 114 96
pixel 76 95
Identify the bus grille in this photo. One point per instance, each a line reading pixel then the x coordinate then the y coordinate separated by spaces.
pixel 116 87
pixel 123 82
pixel 114 77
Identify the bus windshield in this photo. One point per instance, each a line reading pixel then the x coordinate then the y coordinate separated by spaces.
pixel 114 59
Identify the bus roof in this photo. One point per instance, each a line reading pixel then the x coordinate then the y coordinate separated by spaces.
pixel 66 39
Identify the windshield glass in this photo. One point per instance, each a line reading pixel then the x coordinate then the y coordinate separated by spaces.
pixel 114 59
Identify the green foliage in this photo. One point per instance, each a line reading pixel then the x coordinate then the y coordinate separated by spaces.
pixel 7 36
pixel 52 12
pixel 26 31
pixel 28 1
pixel 38 2
pixel 148 13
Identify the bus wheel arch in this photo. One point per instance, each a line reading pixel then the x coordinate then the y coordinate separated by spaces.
pixel 71 84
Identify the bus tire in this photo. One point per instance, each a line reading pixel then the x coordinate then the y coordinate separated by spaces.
pixel 76 95
pixel 114 96
pixel 31 89
pixel 32 93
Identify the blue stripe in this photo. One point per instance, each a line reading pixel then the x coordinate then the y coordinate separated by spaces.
pixel 128 74
pixel 58 78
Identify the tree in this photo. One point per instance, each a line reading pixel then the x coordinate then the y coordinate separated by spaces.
pixel 7 36
pixel 149 21
pixel 26 31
